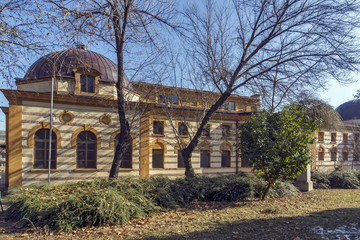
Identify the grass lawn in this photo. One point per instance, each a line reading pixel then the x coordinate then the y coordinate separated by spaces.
pixel 321 214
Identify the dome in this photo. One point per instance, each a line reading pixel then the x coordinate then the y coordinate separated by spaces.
pixel 62 63
pixel 349 110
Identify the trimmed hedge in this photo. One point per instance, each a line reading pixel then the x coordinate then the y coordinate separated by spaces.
pixel 320 180
pixel 345 179
pixel 64 207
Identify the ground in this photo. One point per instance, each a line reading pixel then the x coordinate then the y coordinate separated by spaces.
pixel 321 214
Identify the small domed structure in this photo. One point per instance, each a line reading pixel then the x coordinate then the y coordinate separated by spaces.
pixel 350 110
pixel 63 62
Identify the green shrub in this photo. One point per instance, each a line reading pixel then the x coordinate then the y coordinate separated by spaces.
pixel 320 180
pixel 284 189
pixel 230 188
pixel 68 206
pixel 344 179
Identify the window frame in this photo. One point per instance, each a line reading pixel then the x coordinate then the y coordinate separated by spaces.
pixel 320 136
pixel 229 160
pixel 180 123
pixel 45 150
pixel 131 153
pixel 333 155
pixel 321 150
pixel 163 127
pixel 180 159
pixel 208 153
pixel 208 125
pixel 162 158
pixel 86 151
pixel 229 130
pixel 333 136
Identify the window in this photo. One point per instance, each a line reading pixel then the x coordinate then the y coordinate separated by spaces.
pixel 183 129
pixel 333 155
pixel 105 119
pixel 204 158
pixel 356 156
pixel 345 138
pixel 356 137
pixel 321 136
pixel 225 159
pixel 206 131
pixel 333 137
pixel 158 127
pixel 86 150
pixel 228 106
pixel 87 84
pixel 171 99
pixel 180 159
pixel 158 158
pixel 161 98
pixel 66 117
pixel 225 130
pixel 41 159
pixel 127 158
pixel 345 155
pixel 321 153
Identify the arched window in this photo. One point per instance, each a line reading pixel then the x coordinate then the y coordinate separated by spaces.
pixel 158 151
pixel 321 153
pixel 345 154
pixel 127 159
pixel 41 159
pixel 333 154
pixel 86 150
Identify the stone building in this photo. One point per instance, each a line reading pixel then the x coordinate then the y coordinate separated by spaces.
pixel 340 148
pixel 86 125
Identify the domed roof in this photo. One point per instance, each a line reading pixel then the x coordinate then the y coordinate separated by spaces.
pixel 350 110
pixel 62 63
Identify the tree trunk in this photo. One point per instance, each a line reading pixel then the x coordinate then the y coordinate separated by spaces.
pixel 187 152
pixel 125 138
pixel 266 191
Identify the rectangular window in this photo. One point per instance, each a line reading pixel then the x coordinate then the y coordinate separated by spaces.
pixel 180 160
pixel 345 156
pixel 87 83
pixel 228 106
pixel 183 129
pixel 333 155
pixel 158 158
pixel 321 136
pixel 333 137
pixel 356 137
pixel 356 156
pixel 161 98
pixel 204 158
pixel 225 130
pixel 345 138
pixel 206 131
pixel 158 127
pixel 225 159
pixel 173 99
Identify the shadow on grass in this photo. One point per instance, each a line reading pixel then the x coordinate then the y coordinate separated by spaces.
pixel 343 223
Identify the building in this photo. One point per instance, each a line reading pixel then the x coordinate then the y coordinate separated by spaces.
pixel 340 148
pixel 85 123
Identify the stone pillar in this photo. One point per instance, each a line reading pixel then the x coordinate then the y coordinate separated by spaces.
pixel 303 181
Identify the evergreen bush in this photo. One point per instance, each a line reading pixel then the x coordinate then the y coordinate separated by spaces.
pixel 345 179
pixel 68 206
pixel 320 180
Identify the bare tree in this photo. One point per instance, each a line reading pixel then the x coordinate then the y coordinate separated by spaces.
pixel 21 35
pixel 130 27
pixel 243 42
